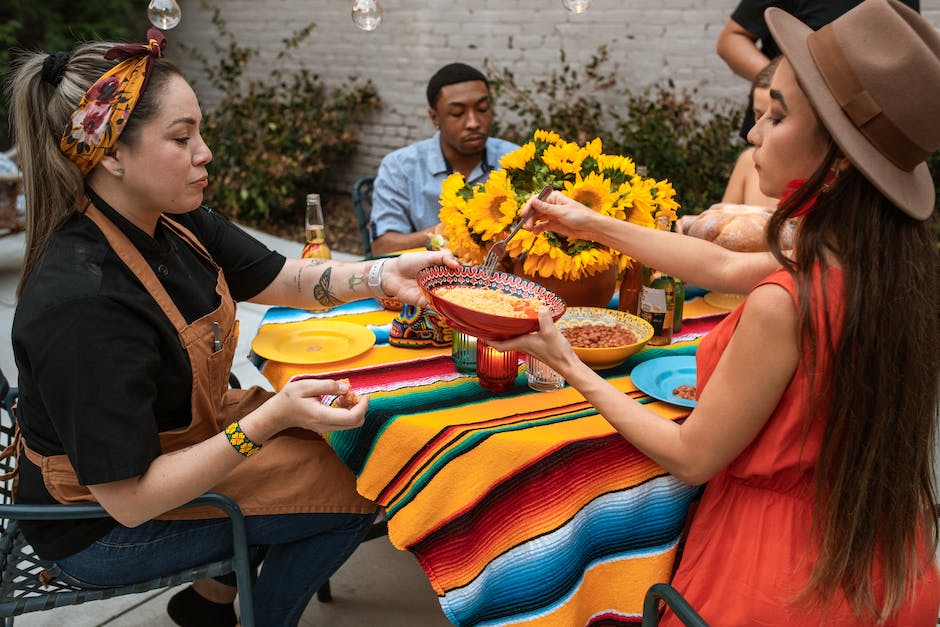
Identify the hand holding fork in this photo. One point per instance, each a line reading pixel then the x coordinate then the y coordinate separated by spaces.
pixel 498 249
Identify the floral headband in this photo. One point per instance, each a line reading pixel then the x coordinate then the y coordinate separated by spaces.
pixel 101 115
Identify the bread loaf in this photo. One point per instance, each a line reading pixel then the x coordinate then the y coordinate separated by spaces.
pixel 735 227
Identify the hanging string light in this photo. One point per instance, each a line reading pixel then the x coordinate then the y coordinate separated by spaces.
pixel 367 14
pixel 164 14
pixel 576 6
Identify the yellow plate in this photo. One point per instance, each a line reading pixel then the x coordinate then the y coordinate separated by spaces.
pixel 723 300
pixel 312 341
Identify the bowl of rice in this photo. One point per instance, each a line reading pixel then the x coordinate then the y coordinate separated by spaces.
pixel 492 306
pixel 604 338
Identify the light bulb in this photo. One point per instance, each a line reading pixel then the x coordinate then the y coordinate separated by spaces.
pixel 576 6
pixel 164 14
pixel 367 14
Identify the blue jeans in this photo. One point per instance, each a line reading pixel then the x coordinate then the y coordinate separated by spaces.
pixel 303 550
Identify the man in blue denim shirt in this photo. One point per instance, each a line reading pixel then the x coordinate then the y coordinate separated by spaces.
pixel 405 201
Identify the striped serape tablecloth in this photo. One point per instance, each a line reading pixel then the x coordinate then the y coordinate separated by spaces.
pixel 522 507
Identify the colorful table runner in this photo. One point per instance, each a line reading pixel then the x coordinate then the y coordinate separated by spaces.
pixel 522 507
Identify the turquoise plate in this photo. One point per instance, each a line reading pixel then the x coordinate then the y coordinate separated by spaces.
pixel 660 376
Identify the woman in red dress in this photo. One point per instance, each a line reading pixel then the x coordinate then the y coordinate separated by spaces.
pixel 818 397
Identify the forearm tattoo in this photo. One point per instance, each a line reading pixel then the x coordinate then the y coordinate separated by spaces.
pixel 322 293
pixel 356 279
pixel 310 264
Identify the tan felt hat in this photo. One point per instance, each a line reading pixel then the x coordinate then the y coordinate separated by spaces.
pixel 873 77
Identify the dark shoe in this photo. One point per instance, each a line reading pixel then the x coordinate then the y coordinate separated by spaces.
pixel 188 608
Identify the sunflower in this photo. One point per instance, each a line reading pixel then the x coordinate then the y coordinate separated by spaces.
pixel 519 158
pixel 474 216
pixel 592 191
pixel 564 158
pixel 493 207
pixel 549 137
pixel 616 166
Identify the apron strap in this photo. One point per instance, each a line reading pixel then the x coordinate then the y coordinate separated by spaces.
pixel 187 236
pixel 129 254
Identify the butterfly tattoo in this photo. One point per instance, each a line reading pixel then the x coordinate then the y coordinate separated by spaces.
pixel 322 293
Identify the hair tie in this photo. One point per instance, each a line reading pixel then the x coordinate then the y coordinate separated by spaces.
pixel 53 67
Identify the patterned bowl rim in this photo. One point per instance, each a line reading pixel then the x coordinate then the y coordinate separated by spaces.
pixel 429 276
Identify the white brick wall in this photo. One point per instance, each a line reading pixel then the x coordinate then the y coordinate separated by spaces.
pixel 650 41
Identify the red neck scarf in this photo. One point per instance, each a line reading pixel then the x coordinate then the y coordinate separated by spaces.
pixel 788 191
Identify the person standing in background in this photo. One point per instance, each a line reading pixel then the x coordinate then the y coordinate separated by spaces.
pixel 738 41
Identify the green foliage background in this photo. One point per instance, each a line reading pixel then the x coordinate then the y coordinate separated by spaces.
pixel 53 25
pixel 296 133
pixel 674 134
pixel 277 139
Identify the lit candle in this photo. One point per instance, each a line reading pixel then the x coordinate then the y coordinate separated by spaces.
pixel 496 370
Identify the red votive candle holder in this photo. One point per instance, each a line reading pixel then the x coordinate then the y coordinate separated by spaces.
pixel 496 370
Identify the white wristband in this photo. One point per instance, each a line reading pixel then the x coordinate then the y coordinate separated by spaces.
pixel 375 279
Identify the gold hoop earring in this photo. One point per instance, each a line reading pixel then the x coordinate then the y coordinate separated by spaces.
pixel 830 181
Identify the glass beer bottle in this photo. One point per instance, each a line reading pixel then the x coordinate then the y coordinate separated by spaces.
pixel 316 247
pixel 630 285
pixel 658 297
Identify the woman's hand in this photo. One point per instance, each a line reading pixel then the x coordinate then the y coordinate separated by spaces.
pixel 398 275
pixel 560 214
pixel 547 344
pixel 298 405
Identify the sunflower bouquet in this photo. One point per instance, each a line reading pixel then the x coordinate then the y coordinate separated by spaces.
pixel 474 217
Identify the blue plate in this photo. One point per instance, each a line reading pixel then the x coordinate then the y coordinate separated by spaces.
pixel 660 376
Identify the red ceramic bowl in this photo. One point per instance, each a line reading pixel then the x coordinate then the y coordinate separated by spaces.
pixel 478 323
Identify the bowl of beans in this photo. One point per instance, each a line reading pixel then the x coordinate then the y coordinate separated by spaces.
pixel 604 338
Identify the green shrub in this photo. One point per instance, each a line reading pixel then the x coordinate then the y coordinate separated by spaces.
pixel 277 139
pixel 53 25
pixel 566 102
pixel 676 135
pixel 683 138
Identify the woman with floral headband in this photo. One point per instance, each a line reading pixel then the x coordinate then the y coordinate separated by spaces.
pixel 124 335
pixel 815 424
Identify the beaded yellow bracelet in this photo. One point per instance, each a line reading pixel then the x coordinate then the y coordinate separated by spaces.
pixel 239 441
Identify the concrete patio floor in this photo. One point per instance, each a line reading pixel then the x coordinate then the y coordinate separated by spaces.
pixel 378 585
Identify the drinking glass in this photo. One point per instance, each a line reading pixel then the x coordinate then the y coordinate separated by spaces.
pixel 496 370
pixel 464 352
pixel 541 377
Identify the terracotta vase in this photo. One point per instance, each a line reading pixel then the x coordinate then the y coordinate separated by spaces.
pixel 592 291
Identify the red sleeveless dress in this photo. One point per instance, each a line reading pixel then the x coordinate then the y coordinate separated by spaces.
pixel 749 551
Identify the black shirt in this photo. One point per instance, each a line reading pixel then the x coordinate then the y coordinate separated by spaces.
pixel 813 13
pixel 101 368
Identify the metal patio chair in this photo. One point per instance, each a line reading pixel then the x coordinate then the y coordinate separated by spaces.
pixel 676 602
pixel 362 203
pixel 24 586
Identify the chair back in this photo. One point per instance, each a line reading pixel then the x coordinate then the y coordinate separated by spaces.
pixel 24 583
pixel 7 431
pixel 362 203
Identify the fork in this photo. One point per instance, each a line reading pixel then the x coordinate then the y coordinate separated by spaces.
pixel 498 249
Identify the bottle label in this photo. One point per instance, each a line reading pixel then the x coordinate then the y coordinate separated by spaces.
pixel 654 307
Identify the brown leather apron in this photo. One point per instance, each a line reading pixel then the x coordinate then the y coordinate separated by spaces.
pixel 295 472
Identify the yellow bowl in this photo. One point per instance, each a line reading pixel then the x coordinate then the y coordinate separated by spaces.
pixel 601 358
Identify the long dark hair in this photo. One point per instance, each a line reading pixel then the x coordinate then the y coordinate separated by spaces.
pixel 875 474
